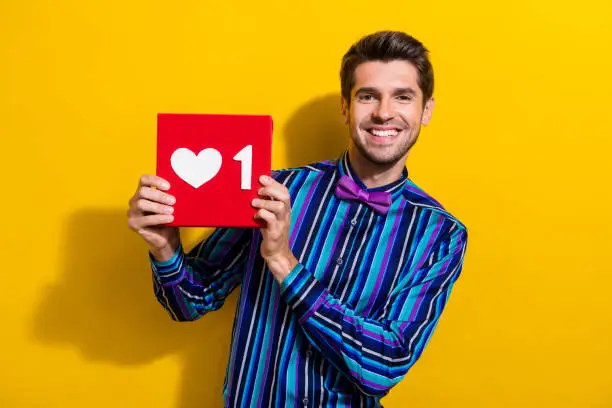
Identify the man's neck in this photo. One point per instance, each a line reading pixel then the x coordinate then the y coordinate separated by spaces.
pixel 374 175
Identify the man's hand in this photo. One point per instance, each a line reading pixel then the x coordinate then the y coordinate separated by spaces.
pixel 274 207
pixel 149 209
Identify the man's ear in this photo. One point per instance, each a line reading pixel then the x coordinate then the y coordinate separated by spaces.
pixel 345 109
pixel 427 112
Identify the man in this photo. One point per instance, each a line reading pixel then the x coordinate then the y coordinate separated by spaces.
pixel 345 281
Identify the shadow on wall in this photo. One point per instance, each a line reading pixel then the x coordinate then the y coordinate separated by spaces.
pixel 105 307
pixel 104 304
pixel 316 132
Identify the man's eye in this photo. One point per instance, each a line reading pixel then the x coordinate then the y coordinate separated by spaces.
pixel 404 97
pixel 365 97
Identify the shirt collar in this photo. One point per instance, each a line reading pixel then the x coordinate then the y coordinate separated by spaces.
pixel 395 188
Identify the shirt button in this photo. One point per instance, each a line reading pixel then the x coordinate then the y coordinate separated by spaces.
pixel 308 353
pixel 339 261
pixel 305 401
pixel 353 222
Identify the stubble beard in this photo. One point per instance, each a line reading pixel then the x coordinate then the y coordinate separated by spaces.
pixel 387 159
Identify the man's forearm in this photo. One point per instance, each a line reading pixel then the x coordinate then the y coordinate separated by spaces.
pixel 281 266
pixel 166 253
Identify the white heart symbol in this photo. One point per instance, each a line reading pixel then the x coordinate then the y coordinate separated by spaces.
pixel 196 170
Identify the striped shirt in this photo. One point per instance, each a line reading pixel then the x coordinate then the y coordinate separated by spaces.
pixel 350 319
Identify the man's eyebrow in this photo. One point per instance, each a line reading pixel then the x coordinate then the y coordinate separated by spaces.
pixel 406 91
pixel 397 91
pixel 366 90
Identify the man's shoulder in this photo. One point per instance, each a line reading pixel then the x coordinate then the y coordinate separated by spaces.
pixel 320 166
pixel 418 197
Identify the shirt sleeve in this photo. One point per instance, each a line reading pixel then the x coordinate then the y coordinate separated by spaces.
pixel 191 284
pixel 375 354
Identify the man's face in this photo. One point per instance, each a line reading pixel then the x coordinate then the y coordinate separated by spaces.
pixel 386 111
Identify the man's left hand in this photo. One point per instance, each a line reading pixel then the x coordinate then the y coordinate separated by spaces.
pixel 274 207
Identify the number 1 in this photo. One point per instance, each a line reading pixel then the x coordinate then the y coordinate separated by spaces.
pixel 245 157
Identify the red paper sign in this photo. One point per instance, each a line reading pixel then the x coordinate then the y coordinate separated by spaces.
pixel 213 163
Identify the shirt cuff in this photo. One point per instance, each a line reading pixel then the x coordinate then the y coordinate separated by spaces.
pixel 168 271
pixel 302 292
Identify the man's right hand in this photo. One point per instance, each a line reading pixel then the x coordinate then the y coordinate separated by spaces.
pixel 149 209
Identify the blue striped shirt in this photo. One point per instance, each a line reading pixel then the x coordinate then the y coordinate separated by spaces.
pixel 350 319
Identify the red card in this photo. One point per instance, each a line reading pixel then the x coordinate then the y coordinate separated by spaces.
pixel 213 163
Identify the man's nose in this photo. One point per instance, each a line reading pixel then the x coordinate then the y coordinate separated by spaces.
pixel 384 111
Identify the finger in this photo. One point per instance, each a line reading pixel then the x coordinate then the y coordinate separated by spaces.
pixel 266 215
pixel 277 192
pixel 138 223
pixel 151 180
pixel 275 207
pixel 151 194
pixel 268 181
pixel 147 206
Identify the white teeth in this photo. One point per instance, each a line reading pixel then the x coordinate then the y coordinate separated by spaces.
pixel 384 133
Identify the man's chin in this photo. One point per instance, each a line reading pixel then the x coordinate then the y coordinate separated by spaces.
pixel 384 161
pixel 381 158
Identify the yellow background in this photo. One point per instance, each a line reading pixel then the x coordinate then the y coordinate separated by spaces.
pixel 518 149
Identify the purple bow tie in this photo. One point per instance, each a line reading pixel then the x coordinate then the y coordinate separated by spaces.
pixel 348 189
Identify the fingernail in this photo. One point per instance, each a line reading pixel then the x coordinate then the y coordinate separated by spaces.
pixel 264 178
pixel 255 202
pixel 165 185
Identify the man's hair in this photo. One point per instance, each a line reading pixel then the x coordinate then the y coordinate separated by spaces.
pixel 387 46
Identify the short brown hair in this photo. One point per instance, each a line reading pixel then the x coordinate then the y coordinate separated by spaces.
pixel 387 46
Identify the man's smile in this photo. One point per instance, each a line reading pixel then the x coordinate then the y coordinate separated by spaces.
pixel 384 134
